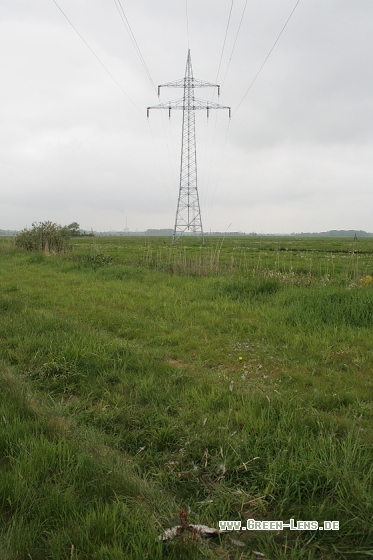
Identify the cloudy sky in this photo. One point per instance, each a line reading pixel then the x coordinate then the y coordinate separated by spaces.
pixel 75 144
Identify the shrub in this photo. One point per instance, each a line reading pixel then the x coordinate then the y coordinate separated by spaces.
pixel 44 236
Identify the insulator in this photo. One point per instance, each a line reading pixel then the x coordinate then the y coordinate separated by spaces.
pixel 147 112
pixel 169 112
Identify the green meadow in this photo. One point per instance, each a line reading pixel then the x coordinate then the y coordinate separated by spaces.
pixel 233 381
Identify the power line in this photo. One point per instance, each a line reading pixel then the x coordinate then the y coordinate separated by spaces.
pixel 217 75
pixel 234 44
pixel 118 84
pixel 216 116
pixel 225 38
pixel 267 57
pixel 127 25
pixel 252 83
pixel 97 58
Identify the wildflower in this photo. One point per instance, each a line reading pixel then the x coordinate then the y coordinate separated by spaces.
pixel 366 281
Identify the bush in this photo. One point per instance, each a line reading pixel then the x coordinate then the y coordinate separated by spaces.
pixel 44 236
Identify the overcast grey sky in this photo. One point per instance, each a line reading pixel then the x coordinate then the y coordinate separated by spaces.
pixel 296 155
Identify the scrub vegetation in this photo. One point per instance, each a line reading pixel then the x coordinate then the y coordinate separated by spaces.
pixel 46 237
pixel 232 380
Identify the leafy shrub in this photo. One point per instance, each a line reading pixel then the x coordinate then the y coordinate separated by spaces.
pixel 44 236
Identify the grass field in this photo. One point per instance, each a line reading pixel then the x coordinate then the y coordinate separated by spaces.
pixel 232 380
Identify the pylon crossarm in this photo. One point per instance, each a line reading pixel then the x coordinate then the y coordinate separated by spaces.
pixel 188 82
pixel 197 104
pixel 175 104
pixel 202 104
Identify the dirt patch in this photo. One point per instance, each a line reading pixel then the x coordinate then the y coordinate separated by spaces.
pixel 178 364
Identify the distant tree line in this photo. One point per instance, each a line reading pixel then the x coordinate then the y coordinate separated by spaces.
pixel 336 233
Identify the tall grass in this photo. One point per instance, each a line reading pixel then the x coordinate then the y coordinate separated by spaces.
pixel 131 388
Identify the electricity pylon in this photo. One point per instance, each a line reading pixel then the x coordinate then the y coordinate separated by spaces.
pixel 188 213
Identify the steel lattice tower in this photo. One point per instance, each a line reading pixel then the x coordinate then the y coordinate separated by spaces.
pixel 188 213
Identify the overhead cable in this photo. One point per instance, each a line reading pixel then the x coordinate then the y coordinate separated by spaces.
pixel 234 44
pixel 217 75
pixel 97 58
pixel 127 25
pixel 267 57
pixel 225 38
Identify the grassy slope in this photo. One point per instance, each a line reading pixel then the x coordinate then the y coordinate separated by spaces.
pixel 124 398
